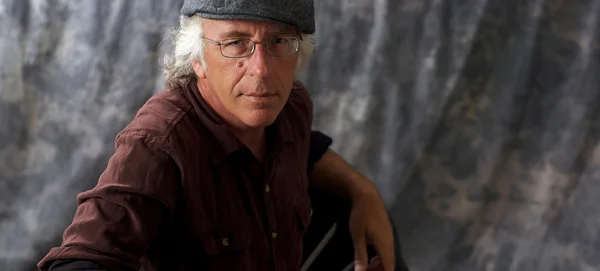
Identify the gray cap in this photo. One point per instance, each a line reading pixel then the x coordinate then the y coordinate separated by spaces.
pixel 299 13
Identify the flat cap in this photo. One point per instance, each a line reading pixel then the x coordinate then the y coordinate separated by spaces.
pixel 299 13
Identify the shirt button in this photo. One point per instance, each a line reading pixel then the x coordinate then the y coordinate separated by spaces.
pixel 225 242
pixel 267 188
pixel 274 235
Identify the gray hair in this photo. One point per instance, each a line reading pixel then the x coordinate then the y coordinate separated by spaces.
pixel 189 47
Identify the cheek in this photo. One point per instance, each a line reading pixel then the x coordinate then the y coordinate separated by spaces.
pixel 231 76
pixel 290 67
pixel 231 73
pixel 288 71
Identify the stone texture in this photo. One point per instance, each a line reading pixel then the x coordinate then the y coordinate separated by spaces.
pixel 476 118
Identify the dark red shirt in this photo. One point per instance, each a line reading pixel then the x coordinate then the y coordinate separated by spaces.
pixel 182 193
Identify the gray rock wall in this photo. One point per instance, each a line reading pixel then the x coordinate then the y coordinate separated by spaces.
pixel 476 118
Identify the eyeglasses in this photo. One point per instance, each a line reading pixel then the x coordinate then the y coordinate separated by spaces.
pixel 237 48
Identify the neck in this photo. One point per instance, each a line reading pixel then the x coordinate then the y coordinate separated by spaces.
pixel 253 138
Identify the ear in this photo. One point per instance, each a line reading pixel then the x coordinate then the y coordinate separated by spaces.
pixel 198 69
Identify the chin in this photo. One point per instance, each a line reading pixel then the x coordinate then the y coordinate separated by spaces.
pixel 259 119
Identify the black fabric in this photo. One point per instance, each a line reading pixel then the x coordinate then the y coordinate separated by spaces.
pixel 76 265
pixel 329 209
pixel 319 144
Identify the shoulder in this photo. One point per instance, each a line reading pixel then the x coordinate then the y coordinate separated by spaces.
pixel 159 115
pixel 300 94
pixel 298 112
pixel 300 101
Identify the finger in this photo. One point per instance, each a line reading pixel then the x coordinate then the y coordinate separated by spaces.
pixel 385 250
pixel 360 252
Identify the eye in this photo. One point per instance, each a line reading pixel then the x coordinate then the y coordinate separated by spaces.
pixel 279 40
pixel 236 43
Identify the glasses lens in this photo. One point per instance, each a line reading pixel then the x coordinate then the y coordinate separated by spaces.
pixel 282 46
pixel 236 48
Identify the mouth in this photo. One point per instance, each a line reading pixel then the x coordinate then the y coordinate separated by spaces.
pixel 260 98
pixel 260 95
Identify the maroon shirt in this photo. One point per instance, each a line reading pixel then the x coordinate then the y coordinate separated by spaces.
pixel 182 193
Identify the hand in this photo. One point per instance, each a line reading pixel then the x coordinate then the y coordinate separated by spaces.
pixel 370 225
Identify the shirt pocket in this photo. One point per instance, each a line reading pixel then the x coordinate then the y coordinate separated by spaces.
pixel 304 213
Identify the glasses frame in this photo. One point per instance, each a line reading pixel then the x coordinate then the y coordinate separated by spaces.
pixel 254 43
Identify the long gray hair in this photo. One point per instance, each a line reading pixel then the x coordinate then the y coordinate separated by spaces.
pixel 189 47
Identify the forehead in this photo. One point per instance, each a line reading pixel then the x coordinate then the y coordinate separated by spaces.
pixel 236 28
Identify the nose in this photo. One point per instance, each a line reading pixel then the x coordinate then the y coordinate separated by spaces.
pixel 259 62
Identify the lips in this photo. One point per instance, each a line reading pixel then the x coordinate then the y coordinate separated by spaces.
pixel 260 98
pixel 260 95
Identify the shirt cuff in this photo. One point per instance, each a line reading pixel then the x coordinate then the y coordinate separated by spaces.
pixel 76 264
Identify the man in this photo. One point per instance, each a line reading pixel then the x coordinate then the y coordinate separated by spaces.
pixel 211 174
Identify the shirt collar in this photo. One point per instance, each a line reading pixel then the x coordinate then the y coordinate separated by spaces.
pixel 280 130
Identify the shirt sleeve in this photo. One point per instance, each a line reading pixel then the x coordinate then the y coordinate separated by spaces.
pixel 301 100
pixel 319 144
pixel 117 220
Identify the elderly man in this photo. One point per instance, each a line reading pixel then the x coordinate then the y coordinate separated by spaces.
pixel 211 174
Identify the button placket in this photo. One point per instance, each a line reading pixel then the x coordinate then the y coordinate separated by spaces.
pixel 268 197
pixel 270 212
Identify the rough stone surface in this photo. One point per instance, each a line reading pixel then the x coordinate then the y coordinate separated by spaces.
pixel 477 119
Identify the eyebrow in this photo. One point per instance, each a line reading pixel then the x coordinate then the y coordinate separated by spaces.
pixel 235 34
pixel 241 34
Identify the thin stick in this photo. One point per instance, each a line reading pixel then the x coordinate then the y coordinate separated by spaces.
pixel 319 248
pixel 349 267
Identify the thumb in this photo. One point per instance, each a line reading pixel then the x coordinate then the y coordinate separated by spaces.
pixel 360 252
